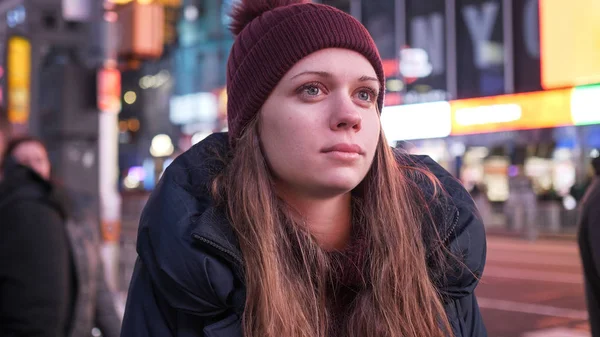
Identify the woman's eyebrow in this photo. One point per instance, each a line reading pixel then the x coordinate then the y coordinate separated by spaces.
pixel 368 78
pixel 323 74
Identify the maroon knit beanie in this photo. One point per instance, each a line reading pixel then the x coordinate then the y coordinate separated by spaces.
pixel 272 36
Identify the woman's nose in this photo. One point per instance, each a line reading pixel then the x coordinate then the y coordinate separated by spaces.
pixel 345 115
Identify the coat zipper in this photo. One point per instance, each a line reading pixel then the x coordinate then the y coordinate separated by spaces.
pixel 219 247
pixel 450 231
pixel 453 227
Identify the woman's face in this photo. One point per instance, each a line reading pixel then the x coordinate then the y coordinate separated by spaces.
pixel 33 155
pixel 320 127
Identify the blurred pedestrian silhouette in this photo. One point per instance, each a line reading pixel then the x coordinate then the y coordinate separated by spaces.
pixel 521 206
pixel 51 275
pixel 589 245
pixel 479 195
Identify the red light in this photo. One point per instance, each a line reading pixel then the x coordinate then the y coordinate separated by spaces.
pixel 111 16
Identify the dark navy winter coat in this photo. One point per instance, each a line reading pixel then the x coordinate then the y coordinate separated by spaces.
pixel 589 236
pixel 187 280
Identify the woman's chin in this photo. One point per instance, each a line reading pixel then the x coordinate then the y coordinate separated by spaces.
pixel 341 183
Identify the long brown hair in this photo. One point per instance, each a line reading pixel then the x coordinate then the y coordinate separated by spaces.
pixel 286 272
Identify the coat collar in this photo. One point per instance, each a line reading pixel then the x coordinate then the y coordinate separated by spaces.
pixel 214 230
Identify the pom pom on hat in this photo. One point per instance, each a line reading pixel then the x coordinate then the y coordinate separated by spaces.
pixel 247 10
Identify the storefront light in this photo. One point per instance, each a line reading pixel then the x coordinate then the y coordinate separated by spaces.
pixel 457 149
pixel 190 13
pixel 499 113
pixel 585 105
pixel 130 97
pixel 146 82
pixel 201 107
pixel 394 85
pixel 133 125
pixel 413 121
pixel 155 81
pixel 135 177
pixel 131 183
pixel 161 146
pixel 569 203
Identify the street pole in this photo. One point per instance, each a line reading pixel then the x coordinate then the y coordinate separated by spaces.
pixel 109 99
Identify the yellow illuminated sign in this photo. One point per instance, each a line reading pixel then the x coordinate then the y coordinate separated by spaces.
pixel 18 79
pixel 543 109
pixel 570 43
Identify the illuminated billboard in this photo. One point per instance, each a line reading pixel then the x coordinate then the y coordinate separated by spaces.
pixel 570 43
pixel 416 121
pixel 585 105
pixel 534 110
pixel 18 79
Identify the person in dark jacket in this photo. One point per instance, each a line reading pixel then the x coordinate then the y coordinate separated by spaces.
pixel 589 246
pixel 301 221
pixel 51 276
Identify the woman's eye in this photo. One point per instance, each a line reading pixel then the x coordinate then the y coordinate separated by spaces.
pixel 312 90
pixel 367 95
pixel 364 95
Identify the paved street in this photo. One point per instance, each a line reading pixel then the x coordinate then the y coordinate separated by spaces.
pixel 533 289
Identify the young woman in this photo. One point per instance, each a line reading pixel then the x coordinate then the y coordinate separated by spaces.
pixel 51 276
pixel 301 221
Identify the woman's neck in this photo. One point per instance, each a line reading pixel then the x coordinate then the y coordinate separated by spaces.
pixel 329 220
